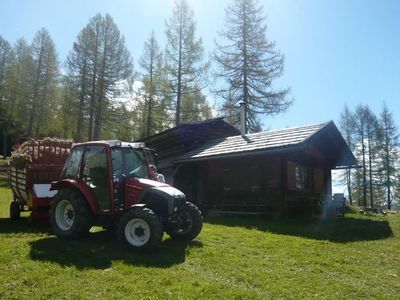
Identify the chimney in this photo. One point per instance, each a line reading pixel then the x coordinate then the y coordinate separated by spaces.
pixel 242 118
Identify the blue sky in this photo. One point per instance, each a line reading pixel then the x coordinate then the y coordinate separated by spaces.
pixel 337 51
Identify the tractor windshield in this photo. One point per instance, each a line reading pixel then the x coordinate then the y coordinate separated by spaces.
pixel 129 162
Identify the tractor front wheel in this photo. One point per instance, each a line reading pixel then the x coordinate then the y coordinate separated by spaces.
pixel 140 229
pixel 187 223
pixel 70 216
pixel 15 210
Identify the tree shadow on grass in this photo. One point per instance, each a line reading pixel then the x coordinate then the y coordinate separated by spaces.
pixel 98 251
pixel 345 230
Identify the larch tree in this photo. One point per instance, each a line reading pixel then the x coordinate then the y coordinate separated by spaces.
pixel 368 139
pixel 184 64
pixel 372 140
pixel 153 110
pixel 195 107
pixel 248 63
pixel 78 68
pixel 389 153
pixel 361 152
pixel 100 63
pixel 44 81
pixel 114 68
pixel 16 92
pixel 6 59
pixel 18 81
pixel 347 128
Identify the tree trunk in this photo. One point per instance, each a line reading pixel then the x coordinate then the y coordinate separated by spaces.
pixel 5 134
pixel 387 164
pixel 101 95
pixel 245 66
pixel 364 170
pixel 371 194
pixel 81 101
pixel 179 91
pixel 35 92
pixel 348 179
pixel 93 93
pixel 151 94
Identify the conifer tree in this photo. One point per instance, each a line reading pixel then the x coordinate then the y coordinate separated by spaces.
pixel 347 128
pixel 153 110
pixel 184 65
pixel 101 64
pixel 44 81
pixel 389 153
pixel 248 63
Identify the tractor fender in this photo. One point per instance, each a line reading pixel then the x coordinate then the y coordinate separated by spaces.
pixel 162 200
pixel 138 206
pixel 83 189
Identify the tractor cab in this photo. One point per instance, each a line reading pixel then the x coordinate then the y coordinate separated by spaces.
pixel 104 168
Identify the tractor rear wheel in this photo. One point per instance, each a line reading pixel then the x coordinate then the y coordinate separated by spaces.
pixel 15 210
pixel 140 229
pixel 189 223
pixel 70 216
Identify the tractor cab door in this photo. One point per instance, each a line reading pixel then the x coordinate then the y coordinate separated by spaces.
pixel 95 175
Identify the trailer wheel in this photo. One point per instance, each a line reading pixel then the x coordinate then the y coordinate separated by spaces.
pixel 15 210
pixel 188 223
pixel 70 216
pixel 140 229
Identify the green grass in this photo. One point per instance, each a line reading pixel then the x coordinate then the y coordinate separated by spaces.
pixel 233 258
pixel 3 162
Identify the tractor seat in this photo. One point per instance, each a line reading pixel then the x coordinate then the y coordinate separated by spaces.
pixel 98 176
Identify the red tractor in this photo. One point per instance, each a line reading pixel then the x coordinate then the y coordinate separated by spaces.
pixel 110 184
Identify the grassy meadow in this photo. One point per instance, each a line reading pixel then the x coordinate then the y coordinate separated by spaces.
pixel 233 258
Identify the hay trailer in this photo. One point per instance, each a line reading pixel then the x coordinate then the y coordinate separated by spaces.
pixel 33 166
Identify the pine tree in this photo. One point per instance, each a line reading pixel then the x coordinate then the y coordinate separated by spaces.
pixel 248 63
pixel 185 69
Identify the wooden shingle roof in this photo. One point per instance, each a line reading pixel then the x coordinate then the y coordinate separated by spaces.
pixel 273 140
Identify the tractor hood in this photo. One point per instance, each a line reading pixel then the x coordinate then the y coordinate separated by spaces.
pixel 159 197
pixel 170 191
pixel 142 183
pixel 157 187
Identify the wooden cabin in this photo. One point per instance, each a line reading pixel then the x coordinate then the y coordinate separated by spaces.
pixel 287 170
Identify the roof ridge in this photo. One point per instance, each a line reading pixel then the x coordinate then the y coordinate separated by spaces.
pixel 282 129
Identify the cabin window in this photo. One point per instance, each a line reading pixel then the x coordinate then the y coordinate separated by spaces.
pixel 302 177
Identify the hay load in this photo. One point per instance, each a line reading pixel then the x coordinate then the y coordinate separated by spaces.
pixel 46 151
